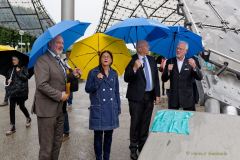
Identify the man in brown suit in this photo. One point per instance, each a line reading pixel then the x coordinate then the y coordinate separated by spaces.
pixel 51 78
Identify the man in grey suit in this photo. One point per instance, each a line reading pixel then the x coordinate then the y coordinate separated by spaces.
pixel 51 78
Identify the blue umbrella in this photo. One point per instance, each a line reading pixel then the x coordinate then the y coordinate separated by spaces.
pixel 166 46
pixel 132 30
pixel 69 30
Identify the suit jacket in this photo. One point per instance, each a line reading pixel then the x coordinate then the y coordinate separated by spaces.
pixel 181 84
pixel 50 83
pixel 137 81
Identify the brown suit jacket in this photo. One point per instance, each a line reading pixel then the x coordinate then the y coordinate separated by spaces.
pixel 50 83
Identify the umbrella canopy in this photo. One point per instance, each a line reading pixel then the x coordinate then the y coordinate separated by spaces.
pixel 69 30
pixel 166 46
pixel 132 30
pixel 6 54
pixel 85 53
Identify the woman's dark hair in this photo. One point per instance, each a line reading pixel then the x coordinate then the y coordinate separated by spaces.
pixel 100 57
pixel 19 60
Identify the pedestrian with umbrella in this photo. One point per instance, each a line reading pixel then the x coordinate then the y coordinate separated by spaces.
pixel 52 89
pixel 17 90
pixel 103 88
pixel 101 58
pixel 6 53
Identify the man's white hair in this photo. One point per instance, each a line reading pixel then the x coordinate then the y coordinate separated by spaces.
pixel 184 42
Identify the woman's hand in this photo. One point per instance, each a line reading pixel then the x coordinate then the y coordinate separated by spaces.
pixel 100 76
pixel 18 69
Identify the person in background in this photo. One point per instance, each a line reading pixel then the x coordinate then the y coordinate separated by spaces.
pixel 73 88
pixel 70 98
pixel 181 72
pixel 5 101
pixel 103 88
pixel 162 61
pixel 17 90
pixel 141 75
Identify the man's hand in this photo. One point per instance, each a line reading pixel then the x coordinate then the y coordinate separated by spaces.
pixel 137 65
pixel 77 72
pixel 64 96
pixel 100 76
pixel 170 67
pixel 192 63
pixel 158 100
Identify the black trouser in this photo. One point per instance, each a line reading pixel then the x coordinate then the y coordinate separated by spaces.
pixel 163 88
pixel 17 101
pixel 106 146
pixel 192 108
pixel 6 95
pixel 141 113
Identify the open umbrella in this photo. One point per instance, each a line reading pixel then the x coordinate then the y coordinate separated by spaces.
pixel 6 54
pixel 166 46
pixel 85 53
pixel 69 30
pixel 132 30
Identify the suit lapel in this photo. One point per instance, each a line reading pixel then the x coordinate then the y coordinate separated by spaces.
pixel 176 65
pixel 135 57
pixel 151 64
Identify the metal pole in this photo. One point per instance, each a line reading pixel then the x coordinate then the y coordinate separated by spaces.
pixel 212 106
pixel 67 12
pixel 21 43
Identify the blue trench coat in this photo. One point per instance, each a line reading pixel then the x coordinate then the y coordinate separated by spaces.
pixel 105 100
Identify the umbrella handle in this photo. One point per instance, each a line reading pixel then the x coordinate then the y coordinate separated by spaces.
pixel 6 85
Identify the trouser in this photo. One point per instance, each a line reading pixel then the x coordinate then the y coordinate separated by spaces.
pixel 141 113
pixel 66 129
pixel 17 101
pixel 102 144
pixel 6 95
pixel 50 132
pixel 178 106
pixel 163 88
pixel 70 98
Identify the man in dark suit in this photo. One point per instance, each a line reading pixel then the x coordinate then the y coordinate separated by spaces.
pixel 141 75
pixel 182 72
pixel 51 78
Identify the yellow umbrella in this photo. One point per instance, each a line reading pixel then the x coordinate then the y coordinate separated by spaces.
pixel 85 53
pixel 6 48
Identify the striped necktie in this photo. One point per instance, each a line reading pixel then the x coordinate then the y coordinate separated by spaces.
pixel 147 75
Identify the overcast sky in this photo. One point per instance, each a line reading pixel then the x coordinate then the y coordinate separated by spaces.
pixel 85 10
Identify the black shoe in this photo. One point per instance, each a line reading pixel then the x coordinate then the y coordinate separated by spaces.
pixel 11 130
pixel 28 122
pixel 134 155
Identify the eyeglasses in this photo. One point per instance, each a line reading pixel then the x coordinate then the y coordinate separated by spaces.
pixel 180 49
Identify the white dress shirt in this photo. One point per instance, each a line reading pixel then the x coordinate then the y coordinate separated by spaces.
pixel 180 64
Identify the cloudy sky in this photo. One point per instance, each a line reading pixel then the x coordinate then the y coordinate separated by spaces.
pixel 85 10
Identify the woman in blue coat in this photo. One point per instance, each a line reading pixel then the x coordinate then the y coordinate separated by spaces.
pixel 103 87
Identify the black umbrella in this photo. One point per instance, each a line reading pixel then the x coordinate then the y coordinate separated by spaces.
pixel 6 60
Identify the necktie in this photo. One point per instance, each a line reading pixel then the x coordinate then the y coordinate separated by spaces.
pixel 62 66
pixel 147 75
